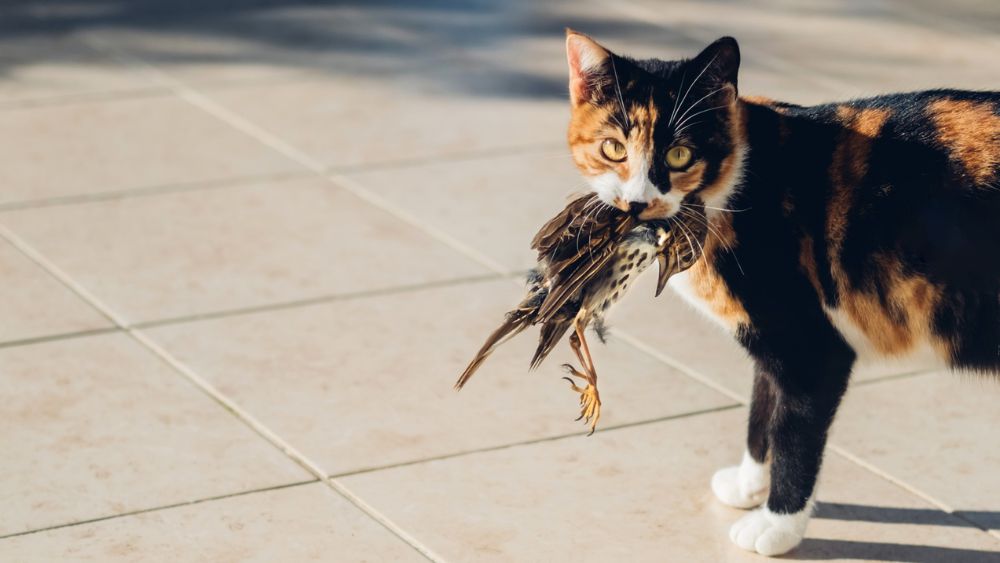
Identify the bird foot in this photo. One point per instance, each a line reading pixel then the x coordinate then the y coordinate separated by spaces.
pixel 590 399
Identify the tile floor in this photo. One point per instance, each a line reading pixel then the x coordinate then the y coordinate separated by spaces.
pixel 247 245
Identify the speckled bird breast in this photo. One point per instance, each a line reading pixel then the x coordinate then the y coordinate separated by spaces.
pixel 635 253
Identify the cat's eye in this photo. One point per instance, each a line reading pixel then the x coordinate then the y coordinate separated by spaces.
pixel 679 156
pixel 613 150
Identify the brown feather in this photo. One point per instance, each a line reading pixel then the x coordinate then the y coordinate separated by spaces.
pixel 550 335
pixel 516 321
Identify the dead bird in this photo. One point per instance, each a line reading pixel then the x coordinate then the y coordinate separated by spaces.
pixel 588 255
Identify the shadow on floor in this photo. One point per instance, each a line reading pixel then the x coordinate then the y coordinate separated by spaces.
pixel 827 549
pixel 821 549
pixel 339 38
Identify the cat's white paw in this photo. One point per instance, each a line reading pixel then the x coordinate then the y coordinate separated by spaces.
pixel 742 486
pixel 768 533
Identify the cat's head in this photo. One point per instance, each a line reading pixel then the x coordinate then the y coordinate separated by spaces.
pixel 651 135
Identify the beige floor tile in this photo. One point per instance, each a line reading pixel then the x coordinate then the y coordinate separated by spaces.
pixel 34 304
pixel 98 426
pixel 48 67
pixel 493 204
pixel 864 50
pixel 193 252
pixel 675 329
pixel 303 523
pixel 641 494
pixel 971 18
pixel 368 382
pixel 261 43
pixel 123 144
pixel 934 432
pixel 365 120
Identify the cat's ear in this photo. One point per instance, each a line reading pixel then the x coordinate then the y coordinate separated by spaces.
pixel 587 61
pixel 719 65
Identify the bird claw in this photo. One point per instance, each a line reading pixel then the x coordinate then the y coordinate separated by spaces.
pixel 590 399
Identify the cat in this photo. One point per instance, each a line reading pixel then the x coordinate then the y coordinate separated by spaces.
pixel 836 232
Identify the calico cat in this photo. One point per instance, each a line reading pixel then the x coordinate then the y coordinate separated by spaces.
pixel 864 228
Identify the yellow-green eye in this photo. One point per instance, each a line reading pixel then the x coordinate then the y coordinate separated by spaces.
pixel 613 150
pixel 679 156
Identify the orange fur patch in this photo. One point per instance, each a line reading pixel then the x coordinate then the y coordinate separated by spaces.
pixel 807 260
pixel 706 282
pixel 847 169
pixel 730 164
pixel 658 209
pixel 689 179
pixel 971 131
pixel 903 319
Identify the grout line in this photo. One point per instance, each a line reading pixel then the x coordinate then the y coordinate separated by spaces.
pixel 679 366
pixel 893 377
pixel 468 250
pixel 57 337
pixel 451 157
pixel 582 433
pixel 275 306
pixel 129 193
pixel 77 98
pixel 159 508
pixel 334 298
pixel 235 181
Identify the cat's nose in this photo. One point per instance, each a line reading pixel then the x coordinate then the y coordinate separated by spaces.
pixel 637 207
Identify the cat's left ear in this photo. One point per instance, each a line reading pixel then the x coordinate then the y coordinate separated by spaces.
pixel 587 65
pixel 719 65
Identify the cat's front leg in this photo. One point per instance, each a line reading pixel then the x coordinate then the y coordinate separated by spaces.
pixel 746 485
pixel 804 404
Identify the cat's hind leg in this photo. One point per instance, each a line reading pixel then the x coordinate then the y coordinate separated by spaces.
pixel 746 485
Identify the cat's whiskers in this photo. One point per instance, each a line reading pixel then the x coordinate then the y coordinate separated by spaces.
pixel 693 82
pixel 594 206
pixel 726 210
pixel 552 254
pixel 712 230
pixel 600 208
pixel 680 125
pixel 678 132
pixel 621 100
pixel 684 231
pixel 700 100
pixel 617 122
pixel 677 98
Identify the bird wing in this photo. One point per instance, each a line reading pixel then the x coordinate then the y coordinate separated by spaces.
pixel 569 276
pixel 516 321
pixel 557 228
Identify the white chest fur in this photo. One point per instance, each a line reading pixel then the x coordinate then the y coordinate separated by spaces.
pixel 682 285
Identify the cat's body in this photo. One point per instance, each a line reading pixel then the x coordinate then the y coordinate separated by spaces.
pixel 879 216
pixel 862 229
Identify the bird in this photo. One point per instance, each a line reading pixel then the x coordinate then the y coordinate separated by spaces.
pixel 588 255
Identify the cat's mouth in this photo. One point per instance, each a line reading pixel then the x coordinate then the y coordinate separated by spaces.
pixel 656 209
